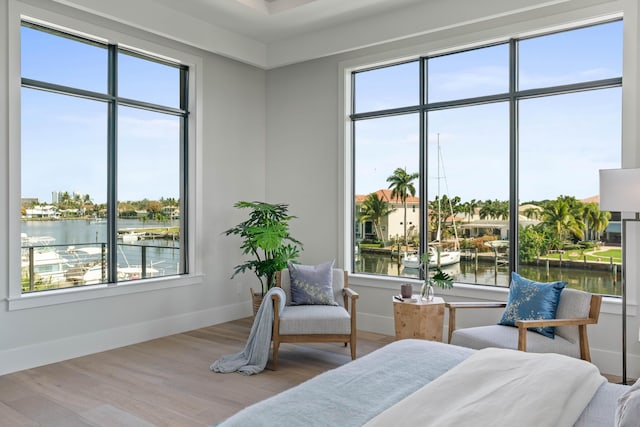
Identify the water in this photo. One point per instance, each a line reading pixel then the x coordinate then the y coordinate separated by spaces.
pixel 162 255
pixel 595 281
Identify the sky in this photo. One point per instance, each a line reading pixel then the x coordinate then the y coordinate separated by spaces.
pixel 64 138
pixel 563 140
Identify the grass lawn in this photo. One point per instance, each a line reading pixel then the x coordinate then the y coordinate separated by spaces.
pixel 595 256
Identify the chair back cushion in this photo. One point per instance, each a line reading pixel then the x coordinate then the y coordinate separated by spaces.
pixel 337 282
pixel 573 304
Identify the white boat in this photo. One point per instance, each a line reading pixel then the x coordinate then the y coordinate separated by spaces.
pixel 93 275
pixel 130 236
pixel 438 257
pixel 441 259
pixel 134 272
pixel 49 266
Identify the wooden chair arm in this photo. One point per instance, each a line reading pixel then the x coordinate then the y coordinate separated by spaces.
pixel 453 306
pixel 276 308
pixel 492 304
pixel 581 323
pixel 526 324
pixel 351 293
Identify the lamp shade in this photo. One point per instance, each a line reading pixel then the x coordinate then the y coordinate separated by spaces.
pixel 620 190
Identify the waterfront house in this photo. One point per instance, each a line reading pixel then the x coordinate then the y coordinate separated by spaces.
pixel 43 211
pixel 270 112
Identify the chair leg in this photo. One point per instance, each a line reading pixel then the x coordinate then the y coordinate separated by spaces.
pixel 353 347
pixel 584 343
pixel 276 345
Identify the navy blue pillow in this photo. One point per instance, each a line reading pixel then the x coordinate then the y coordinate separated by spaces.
pixel 529 300
pixel 311 284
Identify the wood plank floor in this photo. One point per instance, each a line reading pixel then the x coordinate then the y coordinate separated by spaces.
pixel 164 382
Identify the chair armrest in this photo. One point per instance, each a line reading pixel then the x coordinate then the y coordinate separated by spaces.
pixel 581 323
pixel 453 306
pixel 554 322
pixel 351 293
pixel 275 297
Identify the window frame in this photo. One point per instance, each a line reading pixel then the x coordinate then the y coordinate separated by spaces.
pixel 513 96
pixel 192 164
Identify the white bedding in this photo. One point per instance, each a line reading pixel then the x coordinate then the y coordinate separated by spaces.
pixel 500 387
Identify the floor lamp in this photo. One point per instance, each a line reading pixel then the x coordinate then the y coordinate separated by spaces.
pixel 620 192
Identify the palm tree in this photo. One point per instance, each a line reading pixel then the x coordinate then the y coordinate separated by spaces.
pixel 558 217
pixel 590 214
pixel 600 224
pixel 501 210
pixel 469 208
pixel 532 212
pixel 487 209
pixel 401 185
pixel 374 209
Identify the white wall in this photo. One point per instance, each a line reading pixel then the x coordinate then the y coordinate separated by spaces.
pixel 233 158
pixel 307 152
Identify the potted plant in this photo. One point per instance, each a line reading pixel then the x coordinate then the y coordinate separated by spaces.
pixel 434 276
pixel 265 236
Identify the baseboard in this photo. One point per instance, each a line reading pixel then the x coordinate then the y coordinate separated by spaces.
pixel 44 353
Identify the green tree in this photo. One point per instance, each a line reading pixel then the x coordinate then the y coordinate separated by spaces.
pixel 532 243
pixel 401 185
pixel 469 208
pixel 375 209
pixel 533 212
pixel 595 220
pixel 558 217
pixel 494 209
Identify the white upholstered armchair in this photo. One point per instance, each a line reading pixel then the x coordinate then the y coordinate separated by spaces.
pixel 576 310
pixel 316 323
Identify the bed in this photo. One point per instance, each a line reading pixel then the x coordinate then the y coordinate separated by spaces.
pixel 368 389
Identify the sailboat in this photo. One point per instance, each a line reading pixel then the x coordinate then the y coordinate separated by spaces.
pixel 438 256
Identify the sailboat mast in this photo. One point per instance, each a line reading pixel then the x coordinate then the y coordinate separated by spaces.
pixel 438 233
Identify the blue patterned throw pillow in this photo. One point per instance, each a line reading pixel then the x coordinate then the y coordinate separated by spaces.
pixel 529 300
pixel 311 284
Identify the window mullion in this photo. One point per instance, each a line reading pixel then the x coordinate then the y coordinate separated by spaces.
pixel 424 136
pixel 112 169
pixel 513 155
pixel 184 161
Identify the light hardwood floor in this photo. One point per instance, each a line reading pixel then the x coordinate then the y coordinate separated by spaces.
pixel 164 382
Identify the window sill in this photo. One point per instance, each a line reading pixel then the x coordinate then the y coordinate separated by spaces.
pixel 63 296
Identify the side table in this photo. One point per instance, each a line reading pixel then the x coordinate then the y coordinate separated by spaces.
pixel 419 319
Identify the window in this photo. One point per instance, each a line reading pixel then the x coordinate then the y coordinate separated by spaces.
pixel 500 156
pixel 103 162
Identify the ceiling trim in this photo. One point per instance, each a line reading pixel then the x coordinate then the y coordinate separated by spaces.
pixel 157 19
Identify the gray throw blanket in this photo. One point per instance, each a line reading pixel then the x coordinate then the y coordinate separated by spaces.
pixel 255 355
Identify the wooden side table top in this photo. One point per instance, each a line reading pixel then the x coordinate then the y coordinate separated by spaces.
pixel 417 300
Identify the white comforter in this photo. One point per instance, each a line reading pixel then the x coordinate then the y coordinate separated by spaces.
pixel 497 387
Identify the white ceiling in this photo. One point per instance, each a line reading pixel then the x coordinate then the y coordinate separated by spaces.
pixel 269 21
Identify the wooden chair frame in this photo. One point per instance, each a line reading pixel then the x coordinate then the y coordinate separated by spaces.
pixel 348 294
pixel 523 325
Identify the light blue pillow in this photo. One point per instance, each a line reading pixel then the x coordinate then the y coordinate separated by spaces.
pixel 311 284
pixel 529 300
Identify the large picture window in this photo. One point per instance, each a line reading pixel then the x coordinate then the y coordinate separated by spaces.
pixel 500 148
pixel 103 169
